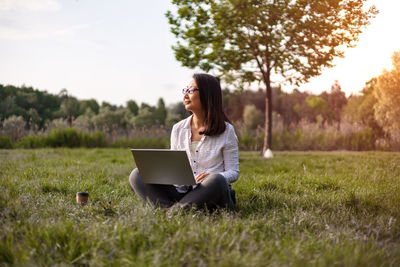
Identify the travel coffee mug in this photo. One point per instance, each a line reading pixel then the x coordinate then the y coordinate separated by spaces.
pixel 82 197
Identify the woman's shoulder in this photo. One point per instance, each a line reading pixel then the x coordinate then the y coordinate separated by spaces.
pixel 182 124
pixel 229 127
pixel 230 133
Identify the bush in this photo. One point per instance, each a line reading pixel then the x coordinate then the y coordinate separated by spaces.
pixel 72 137
pixel 307 137
pixel 31 141
pixel 312 138
pixel 5 142
pixel 14 127
pixel 252 117
pixel 362 140
pixel 68 137
pixel 97 139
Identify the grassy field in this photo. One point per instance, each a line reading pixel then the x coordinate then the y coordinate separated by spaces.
pixel 297 209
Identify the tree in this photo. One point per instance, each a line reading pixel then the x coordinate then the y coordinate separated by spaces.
pixel 21 101
pixel 85 121
pixel 337 100
pixel 161 112
pixel 178 110
pixel 175 113
pixel 252 117
pixel 146 117
pixel 70 109
pixel 89 104
pixel 63 94
pixel 319 107
pixel 387 108
pixel 265 41
pixel 133 107
pixel 147 106
pixel 360 108
pixel 109 120
pixel 14 127
pixel 7 105
pixel 109 105
pixel 34 118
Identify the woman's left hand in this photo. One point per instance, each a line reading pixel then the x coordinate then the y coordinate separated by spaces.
pixel 201 177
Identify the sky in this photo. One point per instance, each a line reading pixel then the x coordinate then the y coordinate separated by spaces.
pixel 119 50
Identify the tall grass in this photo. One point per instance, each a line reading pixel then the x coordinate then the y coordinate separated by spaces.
pixel 297 209
pixel 71 137
pixel 312 136
pixel 303 137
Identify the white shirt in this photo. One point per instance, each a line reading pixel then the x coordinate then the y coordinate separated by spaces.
pixel 193 146
pixel 213 154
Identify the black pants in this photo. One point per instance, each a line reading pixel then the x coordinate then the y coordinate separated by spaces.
pixel 213 192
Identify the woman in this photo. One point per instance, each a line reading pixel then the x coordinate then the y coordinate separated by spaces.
pixel 212 147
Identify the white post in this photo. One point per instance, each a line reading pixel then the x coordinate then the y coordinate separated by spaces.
pixel 268 154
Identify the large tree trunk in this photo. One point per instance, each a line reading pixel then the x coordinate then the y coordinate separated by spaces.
pixel 268 115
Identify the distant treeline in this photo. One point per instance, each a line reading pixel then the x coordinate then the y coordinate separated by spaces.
pixel 32 105
pixel 302 120
pixel 39 108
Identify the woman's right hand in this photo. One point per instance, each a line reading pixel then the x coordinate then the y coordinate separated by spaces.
pixel 199 178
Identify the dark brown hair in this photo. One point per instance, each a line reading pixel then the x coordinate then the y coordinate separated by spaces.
pixel 211 100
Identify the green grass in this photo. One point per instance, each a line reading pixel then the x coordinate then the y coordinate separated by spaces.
pixel 297 209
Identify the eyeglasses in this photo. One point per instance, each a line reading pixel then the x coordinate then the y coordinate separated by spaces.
pixel 189 91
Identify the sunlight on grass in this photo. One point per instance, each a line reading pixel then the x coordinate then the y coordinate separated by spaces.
pixel 299 209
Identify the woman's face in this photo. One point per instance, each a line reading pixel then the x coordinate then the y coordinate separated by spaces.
pixel 191 100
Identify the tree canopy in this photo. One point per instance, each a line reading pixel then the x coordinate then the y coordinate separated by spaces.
pixel 39 109
pixel 31 104
pixel 277 41
pixel 360 108
pixel 387 93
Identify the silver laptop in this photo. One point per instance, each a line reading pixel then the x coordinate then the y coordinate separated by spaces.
pixel 164 166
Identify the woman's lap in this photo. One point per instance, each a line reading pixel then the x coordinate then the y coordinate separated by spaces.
pixel 158 194
pixel 213 192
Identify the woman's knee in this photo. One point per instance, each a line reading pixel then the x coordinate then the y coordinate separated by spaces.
pixel 217 179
